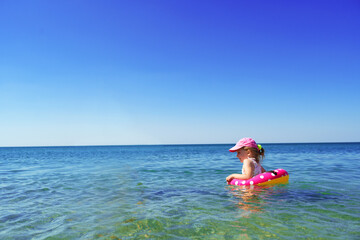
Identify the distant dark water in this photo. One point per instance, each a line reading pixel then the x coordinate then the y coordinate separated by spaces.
pixel 177 192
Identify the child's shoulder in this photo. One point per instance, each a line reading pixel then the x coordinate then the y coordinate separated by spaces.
pixel 248 161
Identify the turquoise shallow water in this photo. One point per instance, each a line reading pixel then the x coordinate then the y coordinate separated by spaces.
pixel 177 192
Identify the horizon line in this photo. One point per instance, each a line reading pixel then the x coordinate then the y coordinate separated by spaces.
pixel 168 144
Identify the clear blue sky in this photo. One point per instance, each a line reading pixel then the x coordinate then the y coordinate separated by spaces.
pixel 82 72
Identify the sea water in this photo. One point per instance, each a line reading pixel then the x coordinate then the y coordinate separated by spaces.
pixel 177 192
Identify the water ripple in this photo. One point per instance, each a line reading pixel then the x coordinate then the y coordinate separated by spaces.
pixel 176 192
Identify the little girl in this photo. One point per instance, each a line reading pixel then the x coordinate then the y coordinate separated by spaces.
pixel 249 154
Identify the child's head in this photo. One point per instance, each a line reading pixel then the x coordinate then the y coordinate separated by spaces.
pixel 248 144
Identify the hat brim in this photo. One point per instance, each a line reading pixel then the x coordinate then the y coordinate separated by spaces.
pixel 234 149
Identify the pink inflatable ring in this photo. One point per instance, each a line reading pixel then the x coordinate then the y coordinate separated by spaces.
pixel 271 177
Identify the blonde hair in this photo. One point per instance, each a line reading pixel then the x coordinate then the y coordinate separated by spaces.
pixel 256 153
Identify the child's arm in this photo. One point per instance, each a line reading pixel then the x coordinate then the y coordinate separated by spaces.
pixel 248 168
pixel 263 169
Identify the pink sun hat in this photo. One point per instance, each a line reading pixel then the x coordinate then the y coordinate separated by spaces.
pixel 245 142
